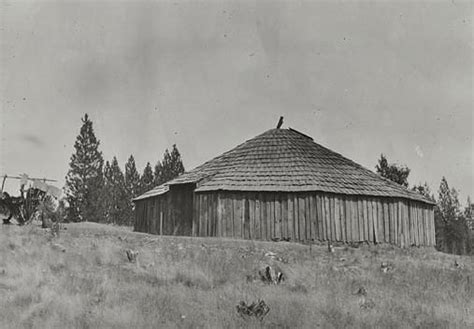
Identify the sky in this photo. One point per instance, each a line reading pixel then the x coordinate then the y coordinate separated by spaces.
pixel 361 78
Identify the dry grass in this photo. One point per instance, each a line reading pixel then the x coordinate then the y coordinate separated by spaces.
pixel 196 283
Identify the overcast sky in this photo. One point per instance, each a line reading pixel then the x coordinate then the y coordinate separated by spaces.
pixel 361 78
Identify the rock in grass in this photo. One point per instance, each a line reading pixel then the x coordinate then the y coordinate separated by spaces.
pixel 132 255
pixel 257 309
pixel 271 274
pixel 361 292
pixel 386 267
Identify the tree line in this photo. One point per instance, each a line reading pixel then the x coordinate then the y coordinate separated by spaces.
pixel 453 234
pixel 102 192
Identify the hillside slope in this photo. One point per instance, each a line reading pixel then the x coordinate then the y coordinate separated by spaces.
pixel 83 279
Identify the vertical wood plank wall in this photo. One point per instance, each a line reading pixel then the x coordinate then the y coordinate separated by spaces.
pixel 173 212
pixel 293 216
pixel 313 216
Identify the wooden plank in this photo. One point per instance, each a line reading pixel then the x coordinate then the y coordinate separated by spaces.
pixel 251 202
pixel 336 219
pixel 427 226
pixel 327 218
pixel 375 220
pixel 331 217
pixel 258 219
pixel 314 216
pixel 432 223
pixel 414 223
pixel 320 215
pixel 360 210
pixel 366 220
pixel 301 217
pixel 219 215
pixel 237 215
pixel 296 216
pixel 205 206
pixel 398 214
pixel 415 238
pixel 370 218
pixel 229 210
pixel 216 218
pixel 417 224
pixel 407 223
pixel 277 205
pixel 393 215
pixel 284 216
pixel 354 220
pixel 379 209
pixel 422 225
pixel 209 214
pixel 246 214
pixel 410 224
pixel 386 220
pixel 307 212
pixel 291 231
pixel 342 214
pixel 402 223
pixel 393 218
pixel 271 215
pixel 348 215
pixel 264 219
pixel 210 204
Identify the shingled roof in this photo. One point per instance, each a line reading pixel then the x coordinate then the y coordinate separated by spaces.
pixel 288 161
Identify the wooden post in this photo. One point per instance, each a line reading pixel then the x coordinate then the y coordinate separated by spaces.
pixel 161 222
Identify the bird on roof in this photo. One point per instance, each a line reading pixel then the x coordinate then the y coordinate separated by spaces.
pixel 280 122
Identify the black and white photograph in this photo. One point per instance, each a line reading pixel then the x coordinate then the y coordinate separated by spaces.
pixel 236 164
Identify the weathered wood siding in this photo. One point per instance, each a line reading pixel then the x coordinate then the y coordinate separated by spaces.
pixel 313 216
pixel 168 214
pixel 293 216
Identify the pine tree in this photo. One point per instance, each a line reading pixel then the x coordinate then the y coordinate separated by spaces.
pixel 448 202
pixel 117 206
pixel 106 195
pixel 451 228
pixel 132 178
pixel 147 179
pixel 468 210
pixel 396 173
pixel 170 167
pixel 84 180
pixel 132 183
pixel 158 174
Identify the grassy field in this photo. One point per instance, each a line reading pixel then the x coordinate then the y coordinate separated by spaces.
pixel 83 279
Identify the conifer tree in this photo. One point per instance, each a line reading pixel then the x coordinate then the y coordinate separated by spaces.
pixel 147 179
pixel 132 183
pixel 170 167
pixel 84 180
pixel 132 178
pixel 158 174
pixel 452 233
pixel 396 173
pixel 117 206
pixel 106 195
